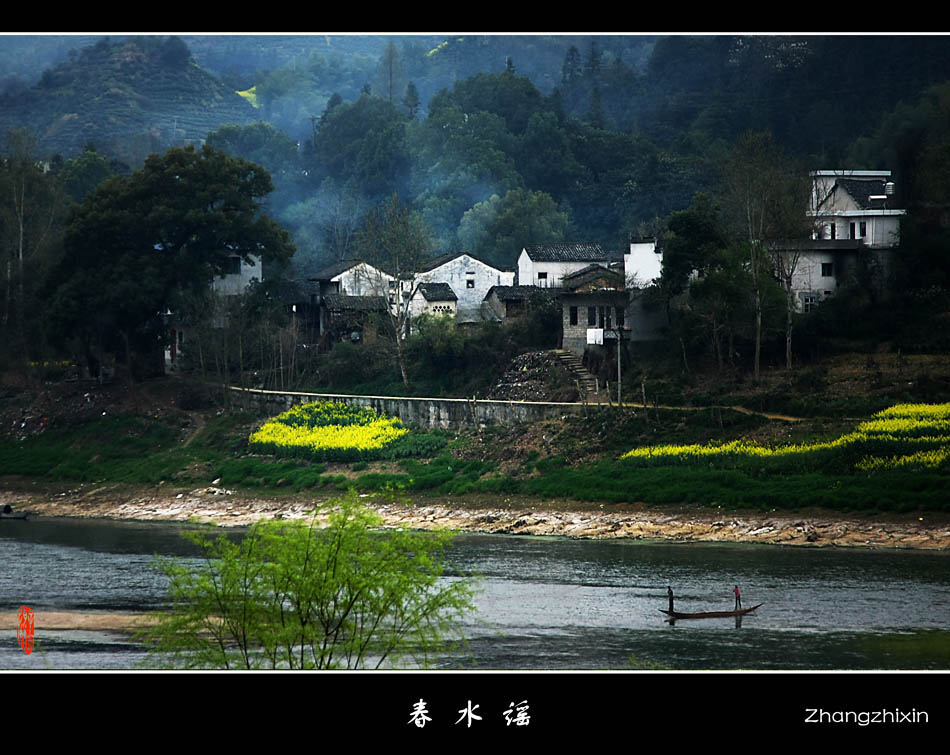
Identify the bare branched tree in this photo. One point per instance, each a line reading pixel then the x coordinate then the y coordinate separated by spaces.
pixel 768 201
pixel 395 243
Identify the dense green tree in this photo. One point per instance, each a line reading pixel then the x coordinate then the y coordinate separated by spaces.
pixel 496 230
pixel 261 143
pixel 572 68
pixel 83 174
pixel 545 158
pixel 390 79
pixel 304 595
pixel 136 241
pixel 460 159
pixel 175 52
pixel 693 238
pixel 31 211
pixel 513 98
pixel 363 144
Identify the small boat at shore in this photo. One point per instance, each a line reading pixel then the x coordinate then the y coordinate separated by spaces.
pixel 7 512
pixel 709 614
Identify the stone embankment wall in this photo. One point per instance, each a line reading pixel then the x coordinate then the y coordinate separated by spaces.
pixel 427 413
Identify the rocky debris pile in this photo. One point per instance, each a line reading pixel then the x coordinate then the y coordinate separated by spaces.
pixel 535 376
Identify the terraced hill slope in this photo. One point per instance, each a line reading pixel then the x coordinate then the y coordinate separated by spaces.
pixel 128 98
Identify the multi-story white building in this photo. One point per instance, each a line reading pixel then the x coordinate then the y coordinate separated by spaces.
pixel 854 214
pixel 546 266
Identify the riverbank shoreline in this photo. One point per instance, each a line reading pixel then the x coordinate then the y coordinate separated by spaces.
pixel 509 515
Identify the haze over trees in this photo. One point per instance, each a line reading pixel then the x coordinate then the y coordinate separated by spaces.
pixel 493 141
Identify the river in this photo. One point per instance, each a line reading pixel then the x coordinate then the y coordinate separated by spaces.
pixel 545 603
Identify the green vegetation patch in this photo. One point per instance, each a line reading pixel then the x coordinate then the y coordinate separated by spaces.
pixel 121 448
pixel 910 436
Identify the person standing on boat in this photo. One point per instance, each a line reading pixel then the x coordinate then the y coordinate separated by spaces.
pixel 738 598
pixel 669 592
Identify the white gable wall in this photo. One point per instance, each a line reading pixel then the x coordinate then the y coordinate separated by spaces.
pixel 546 274
pixel 469 278
pixel 363 280
pixel 642 265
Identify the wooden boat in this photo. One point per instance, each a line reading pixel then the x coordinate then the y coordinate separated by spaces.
pixel 13 514
pixel 709 614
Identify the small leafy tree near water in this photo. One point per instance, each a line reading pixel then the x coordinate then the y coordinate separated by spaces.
pixel 293 594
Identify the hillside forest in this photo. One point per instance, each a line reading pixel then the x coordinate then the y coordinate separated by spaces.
pixel 283 147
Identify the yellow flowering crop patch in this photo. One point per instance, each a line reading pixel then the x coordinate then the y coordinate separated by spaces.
pixel 900 436
pixel 327 431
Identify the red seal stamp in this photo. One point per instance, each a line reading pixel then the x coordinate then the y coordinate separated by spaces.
pixel 24 629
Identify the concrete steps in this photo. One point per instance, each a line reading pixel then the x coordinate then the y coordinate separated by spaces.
pixel 584 379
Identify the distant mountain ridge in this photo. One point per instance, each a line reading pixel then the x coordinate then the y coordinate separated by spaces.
pixel 128 97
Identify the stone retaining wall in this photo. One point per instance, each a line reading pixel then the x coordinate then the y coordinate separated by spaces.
pixel 426 413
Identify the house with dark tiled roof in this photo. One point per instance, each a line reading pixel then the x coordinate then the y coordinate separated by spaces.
pixel 602 305
pixel 354 318
pixel 594 304
pixel 352 277
pixel 469 277
pixel 433 298
pixel 546 265
pixel 345 294
pixel 507 302
pixel 855 214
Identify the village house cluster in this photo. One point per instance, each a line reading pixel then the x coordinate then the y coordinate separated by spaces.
pixel 600 293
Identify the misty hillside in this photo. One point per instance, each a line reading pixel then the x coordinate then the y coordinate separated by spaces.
pixel 129 97
pixel 495 140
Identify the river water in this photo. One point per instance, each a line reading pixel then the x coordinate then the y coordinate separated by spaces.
pixel 545 603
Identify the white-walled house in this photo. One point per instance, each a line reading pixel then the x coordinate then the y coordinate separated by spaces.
pixel 354 278
pixel 546 266
pixel 433 298
pixel 854 214
pixel 468 277
pixel 346 292
pixel 233 281
pixel 855 205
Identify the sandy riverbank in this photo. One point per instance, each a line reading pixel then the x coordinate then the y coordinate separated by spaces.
pixel 497 514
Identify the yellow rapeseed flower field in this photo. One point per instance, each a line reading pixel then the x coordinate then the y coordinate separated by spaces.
pixel 923 429
pixel 316 428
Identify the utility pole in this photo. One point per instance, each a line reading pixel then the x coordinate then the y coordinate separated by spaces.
pixel 619 380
